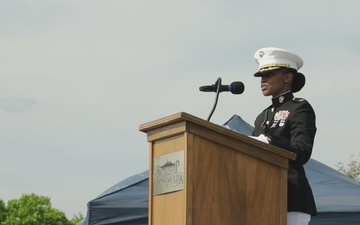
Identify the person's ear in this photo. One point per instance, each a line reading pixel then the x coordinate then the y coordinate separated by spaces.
pixel 289 77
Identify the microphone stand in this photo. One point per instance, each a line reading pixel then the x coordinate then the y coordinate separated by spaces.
pixel 218 84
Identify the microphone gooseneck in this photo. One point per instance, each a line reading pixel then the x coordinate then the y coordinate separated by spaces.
pixel 218 87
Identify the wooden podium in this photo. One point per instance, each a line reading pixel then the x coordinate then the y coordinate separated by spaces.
pixel 205 174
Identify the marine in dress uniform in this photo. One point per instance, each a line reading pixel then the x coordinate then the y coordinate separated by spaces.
pixel 289 123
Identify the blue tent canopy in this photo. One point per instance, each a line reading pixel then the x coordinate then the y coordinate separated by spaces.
pixel 337 197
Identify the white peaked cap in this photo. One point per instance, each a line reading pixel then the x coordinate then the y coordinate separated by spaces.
pixel 271 58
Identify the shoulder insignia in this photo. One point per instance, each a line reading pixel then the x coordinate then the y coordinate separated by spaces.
pixel 299 99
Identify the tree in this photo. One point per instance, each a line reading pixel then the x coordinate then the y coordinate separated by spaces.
pixel 31 209
pixel 76 219
pixel 352 168
pixel 2 211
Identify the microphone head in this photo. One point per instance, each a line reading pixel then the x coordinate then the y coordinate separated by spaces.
pixel 237 87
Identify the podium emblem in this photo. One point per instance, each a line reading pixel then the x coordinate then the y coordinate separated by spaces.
pixel 168 173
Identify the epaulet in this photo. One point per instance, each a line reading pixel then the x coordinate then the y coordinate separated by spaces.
pixel 298 100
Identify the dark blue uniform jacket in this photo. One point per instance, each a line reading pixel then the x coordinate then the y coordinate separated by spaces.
pixel 290 124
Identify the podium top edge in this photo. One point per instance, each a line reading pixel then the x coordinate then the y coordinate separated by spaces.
pixel 183 116
pixel 169 119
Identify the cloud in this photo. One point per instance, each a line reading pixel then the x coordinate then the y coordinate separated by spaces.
pixel 16 104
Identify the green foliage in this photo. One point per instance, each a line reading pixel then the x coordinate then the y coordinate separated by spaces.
pixel 352 168
pixel 32 209
pixel 76 219
pixel 2 211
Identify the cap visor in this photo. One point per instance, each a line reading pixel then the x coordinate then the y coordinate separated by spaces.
pixel 258 74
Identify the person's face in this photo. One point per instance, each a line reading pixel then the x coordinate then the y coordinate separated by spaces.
pixel 275 82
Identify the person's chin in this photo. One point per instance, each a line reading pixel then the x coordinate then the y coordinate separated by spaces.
pixel 266 93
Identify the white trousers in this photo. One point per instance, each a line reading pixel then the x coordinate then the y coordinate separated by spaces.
pixel 298 218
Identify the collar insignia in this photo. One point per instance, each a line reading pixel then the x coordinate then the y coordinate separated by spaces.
pixel 281 99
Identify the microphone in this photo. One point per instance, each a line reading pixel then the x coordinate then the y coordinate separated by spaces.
pixel 235 87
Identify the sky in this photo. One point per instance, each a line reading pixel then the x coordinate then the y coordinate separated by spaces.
pixel 78 78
